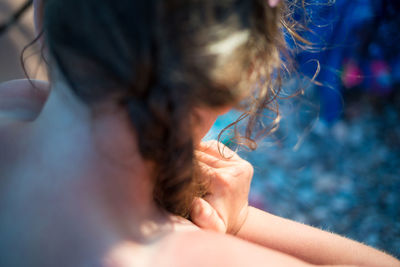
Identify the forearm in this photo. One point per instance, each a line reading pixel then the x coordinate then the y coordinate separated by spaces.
pixel 308 243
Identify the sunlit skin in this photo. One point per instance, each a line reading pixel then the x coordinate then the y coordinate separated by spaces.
pixel 79 165
pixel 90 184
pixel 64 122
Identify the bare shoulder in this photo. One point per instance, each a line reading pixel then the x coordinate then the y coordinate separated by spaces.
pixel 203 248
pixel 20 103
pixel 22 99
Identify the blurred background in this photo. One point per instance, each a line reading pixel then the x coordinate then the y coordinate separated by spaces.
pixel 334 163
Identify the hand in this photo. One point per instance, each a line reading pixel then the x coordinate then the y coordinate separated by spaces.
pixel 225 206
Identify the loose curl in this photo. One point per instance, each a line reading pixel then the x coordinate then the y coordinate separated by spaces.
pixel 160 59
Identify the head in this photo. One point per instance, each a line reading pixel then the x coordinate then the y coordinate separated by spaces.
pixel 171 65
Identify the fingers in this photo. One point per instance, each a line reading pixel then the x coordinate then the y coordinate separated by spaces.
pixel 205 216
pixel 217 149
pixel 208 159
pixel 205 170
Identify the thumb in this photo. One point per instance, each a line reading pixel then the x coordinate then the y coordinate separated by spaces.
pixel 205 216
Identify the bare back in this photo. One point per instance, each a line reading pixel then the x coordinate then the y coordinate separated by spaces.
pixel 49 222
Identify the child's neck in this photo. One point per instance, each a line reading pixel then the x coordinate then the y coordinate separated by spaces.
pixel 108 170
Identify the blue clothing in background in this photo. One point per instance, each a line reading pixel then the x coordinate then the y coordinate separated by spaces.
pixel 359 40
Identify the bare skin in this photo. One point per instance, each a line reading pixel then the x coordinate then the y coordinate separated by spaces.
pixel 63 158
pixel 20 100
pixel 68 170
pixel 226 210
pixel 84 194
pixel 74 193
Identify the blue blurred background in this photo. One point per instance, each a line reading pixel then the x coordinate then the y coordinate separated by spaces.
pixel 334 163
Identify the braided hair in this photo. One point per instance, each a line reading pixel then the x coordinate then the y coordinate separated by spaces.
pixel 159 60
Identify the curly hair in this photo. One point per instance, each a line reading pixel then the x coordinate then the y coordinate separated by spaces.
pixel 160 59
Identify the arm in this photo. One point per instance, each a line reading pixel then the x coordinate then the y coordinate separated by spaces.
pixel 212 249
pixel 308 243
pixel 225 209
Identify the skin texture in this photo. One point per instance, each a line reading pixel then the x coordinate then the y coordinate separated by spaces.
pixel 106 231
pixel 22 100
pixel 225 209
pixel 230 178
pixel 85 213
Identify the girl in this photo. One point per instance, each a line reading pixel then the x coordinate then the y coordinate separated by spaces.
pixel 104 174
